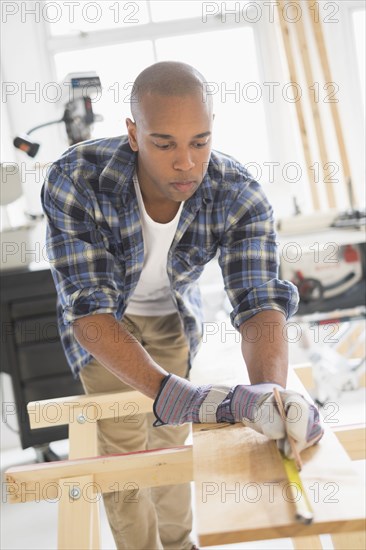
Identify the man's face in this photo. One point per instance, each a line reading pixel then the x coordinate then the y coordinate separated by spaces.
pixel 173 138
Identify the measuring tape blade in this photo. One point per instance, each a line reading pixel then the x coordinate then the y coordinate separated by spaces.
pixel 304 512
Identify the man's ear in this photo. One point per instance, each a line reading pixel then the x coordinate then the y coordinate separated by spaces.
pixel 131 130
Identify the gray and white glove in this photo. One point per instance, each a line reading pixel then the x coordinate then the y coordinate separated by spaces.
pixel 179 401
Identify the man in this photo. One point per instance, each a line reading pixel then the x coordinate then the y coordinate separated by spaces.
pixel 131 223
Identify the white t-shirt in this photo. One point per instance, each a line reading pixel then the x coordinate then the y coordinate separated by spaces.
pixel 152 295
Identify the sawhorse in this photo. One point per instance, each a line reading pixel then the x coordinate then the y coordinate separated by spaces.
pixel 237 457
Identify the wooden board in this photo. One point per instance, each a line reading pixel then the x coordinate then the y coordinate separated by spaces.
pixel 110 473
pixel 66 410
pixel 318 125
pixel 353 439
pixel 242 492
pixel 298 104
pixel 323 57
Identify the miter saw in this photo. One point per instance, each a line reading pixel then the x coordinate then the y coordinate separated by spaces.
pixel 78 114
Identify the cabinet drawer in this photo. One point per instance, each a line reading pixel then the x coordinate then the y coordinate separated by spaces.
pixel 38 329
pixel 31 307
pixel 42 360
pixel 52 387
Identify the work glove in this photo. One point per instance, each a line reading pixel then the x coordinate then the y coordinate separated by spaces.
pixel 179 401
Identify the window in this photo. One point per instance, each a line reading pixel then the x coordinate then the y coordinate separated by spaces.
pixel 169 11
pixel 227 58
pixel 117 66
pixel 87 17
pixel 236 56
pixel 240 126
pixel 358 19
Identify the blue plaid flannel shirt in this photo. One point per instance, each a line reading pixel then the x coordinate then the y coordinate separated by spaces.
pixel 95 246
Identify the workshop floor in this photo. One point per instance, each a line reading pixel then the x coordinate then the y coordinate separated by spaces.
pixel 34 525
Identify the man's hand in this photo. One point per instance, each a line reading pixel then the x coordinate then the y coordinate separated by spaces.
pixel 179 401
pixel 256 407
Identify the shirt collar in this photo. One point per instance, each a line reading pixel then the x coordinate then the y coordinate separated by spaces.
pixel 116 176
pixel 202 195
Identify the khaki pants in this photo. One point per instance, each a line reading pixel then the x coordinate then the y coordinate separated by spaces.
pixel 153 518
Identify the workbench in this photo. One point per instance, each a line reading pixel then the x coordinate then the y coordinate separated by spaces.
pixel 242 492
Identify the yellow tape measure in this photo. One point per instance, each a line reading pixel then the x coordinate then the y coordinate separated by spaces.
pixel 304 512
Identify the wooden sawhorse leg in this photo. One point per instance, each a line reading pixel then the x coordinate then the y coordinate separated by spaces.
pixel 349 541
pixel 307 543
pixel 78 514
pixel 341 541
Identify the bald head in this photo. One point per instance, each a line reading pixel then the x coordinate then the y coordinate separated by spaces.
pixel 168 78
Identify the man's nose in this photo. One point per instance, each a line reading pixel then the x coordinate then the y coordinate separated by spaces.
pixel 183 161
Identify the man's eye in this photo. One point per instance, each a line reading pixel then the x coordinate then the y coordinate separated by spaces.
pixel 162 146
pixel 200 144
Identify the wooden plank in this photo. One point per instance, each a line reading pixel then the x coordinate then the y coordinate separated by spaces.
pixel 75 516
pixel 362 380
pixel 242 493
pixel 298 105
pixel 83 440
pixel 65 410
pixel 349 541
pixel 323 56
pixel 305 372
pixel 347 344
pixel 308 543
pixel 305 56
pixel 110 473
pixel 82 443
pixel 353 440
pixel 96 538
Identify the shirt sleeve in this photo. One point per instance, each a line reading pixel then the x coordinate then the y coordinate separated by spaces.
pixel 249 258
pixel 82 267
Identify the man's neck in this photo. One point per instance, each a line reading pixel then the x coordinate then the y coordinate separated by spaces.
pixel 159 209
pixel 161 212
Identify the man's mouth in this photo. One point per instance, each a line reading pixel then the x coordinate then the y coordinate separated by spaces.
pixel 184 186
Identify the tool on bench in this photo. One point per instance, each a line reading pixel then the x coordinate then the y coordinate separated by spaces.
pixel 79 91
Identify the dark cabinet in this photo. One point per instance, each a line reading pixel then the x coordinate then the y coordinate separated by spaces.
pixel 31 351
